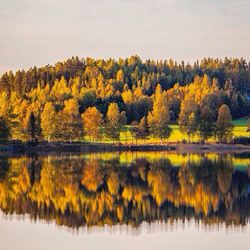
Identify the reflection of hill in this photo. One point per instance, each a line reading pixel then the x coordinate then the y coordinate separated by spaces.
pixel 77 191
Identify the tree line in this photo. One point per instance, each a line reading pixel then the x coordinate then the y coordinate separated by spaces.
pixel 100 97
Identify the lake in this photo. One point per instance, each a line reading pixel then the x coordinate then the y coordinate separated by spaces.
pixel 127 200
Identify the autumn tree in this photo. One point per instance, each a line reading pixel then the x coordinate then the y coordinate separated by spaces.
pixel 49 122
pixel 188 117
pixel 158 118
pixel 71 122
pixel 60 90
pixel 114 122
pixel 6 110
pixel 120 75
pixel 224 126
pixel 92 122
pixel 19 123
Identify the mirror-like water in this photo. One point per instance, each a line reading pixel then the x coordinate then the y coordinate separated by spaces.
pixel 120 196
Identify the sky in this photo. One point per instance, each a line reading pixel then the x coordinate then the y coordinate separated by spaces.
pixel 40 32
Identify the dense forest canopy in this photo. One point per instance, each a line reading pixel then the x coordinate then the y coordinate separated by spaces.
pixel 133 72
pixel 32 100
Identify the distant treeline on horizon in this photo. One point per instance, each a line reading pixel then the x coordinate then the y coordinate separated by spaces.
pixel 55 101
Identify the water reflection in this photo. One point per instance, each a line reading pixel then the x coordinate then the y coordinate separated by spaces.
pixel 97 190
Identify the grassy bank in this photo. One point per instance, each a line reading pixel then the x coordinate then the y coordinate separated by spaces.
pixel 240 130
pixel 127 143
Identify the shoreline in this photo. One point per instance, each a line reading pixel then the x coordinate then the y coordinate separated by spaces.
pixel 86 147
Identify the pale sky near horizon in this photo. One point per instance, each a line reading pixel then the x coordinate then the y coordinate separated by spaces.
pixel 45 31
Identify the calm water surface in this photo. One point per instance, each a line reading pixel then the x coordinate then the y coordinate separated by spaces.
pixel 126 200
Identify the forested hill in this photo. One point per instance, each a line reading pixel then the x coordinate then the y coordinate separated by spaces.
pixel 133 72
pixel 108 80
pixel 71 86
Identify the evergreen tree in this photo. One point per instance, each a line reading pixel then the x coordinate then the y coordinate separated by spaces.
pixel 31 129
pixel 4 130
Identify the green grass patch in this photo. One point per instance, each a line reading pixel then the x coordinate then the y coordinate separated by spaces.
pixel 242 122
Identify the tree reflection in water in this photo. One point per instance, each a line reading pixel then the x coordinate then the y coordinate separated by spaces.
pixel 90 191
